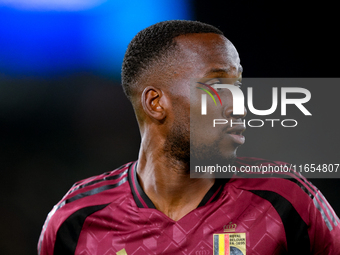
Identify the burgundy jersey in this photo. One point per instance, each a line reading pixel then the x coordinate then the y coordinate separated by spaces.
pixel 110 214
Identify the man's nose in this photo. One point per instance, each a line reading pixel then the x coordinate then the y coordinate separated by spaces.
pixel 230 114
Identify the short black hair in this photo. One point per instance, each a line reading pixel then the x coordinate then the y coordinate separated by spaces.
pixel 154 42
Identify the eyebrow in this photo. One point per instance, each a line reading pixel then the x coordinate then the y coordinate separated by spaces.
pixel 222 70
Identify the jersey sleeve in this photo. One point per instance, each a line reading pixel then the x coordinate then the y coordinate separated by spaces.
pixel 64 223
pixel 48 233
pixel 321 221
pixel 323 225
pixel 324 229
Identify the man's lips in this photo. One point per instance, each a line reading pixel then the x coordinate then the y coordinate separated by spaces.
pixel 236 133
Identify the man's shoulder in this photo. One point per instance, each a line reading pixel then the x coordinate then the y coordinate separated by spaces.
pixel 106 181
pixel 275 176
pixel 277 183
pixel 83 199
pixel 300 205
pixel 287 190
pixel 92 191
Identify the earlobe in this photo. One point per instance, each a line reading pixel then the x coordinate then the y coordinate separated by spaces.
pixel 152 102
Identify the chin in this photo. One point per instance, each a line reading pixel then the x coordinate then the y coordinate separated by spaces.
pixel 230 158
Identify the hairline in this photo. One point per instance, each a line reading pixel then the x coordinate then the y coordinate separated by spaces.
pixel 160 60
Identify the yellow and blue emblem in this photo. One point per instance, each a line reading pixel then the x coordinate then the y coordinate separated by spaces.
pixel 230 244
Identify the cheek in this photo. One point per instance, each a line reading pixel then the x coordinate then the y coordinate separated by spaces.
pixel 201 126
pixel 203 132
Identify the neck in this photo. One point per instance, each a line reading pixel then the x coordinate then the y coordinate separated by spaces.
pixel 168 184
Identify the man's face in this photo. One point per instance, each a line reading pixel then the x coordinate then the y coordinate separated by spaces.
pixel 205 58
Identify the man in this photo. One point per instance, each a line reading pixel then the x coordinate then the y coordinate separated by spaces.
pixel 152 206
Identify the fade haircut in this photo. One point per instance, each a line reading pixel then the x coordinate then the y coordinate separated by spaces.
pixel 154 43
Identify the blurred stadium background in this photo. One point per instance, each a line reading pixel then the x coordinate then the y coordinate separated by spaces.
pixel 63 115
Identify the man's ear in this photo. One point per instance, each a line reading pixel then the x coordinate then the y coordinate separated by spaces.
pixel 154 103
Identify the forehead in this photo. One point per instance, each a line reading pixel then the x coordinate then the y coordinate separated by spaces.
pixel 204 55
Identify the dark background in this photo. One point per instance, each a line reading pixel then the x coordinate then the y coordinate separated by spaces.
pixel 57 130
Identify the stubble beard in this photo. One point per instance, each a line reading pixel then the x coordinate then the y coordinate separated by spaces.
pixel 203 154
pixel 177 145
pixel 181 149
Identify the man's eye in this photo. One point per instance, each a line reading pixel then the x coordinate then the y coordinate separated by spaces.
pixel 213 82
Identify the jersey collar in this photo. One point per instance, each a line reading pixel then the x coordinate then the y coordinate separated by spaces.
pixel 143 201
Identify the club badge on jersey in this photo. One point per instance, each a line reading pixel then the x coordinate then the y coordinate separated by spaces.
pixel 229 243
pixel 121 252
